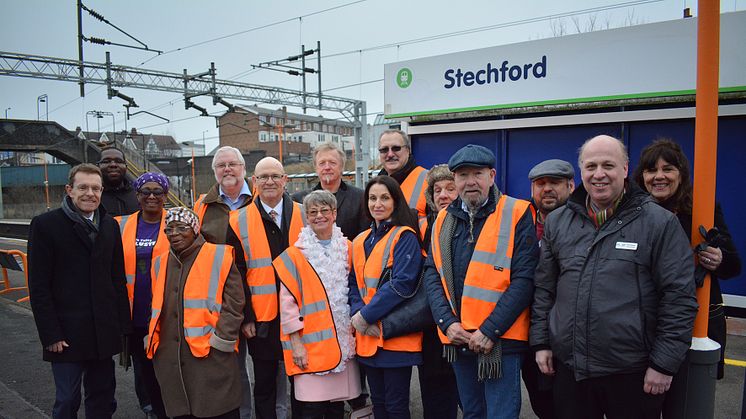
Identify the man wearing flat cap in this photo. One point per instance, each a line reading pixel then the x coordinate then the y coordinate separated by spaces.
pixel 479 280
pixel 552 182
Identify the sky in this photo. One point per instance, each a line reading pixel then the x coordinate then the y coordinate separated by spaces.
pixel 357 38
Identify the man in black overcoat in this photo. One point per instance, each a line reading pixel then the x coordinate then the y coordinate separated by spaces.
pixel 329 162
pixel 78 295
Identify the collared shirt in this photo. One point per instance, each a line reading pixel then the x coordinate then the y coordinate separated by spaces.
pixel 277 209
pixel 466 207
pixel 234 205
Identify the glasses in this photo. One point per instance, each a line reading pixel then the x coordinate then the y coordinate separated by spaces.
pixel 176 230
pixel 265 178
pixel 106 162
pixel 154 192
pixel 395 149
pixel 323 212
pixel 84 188
pixel 232 165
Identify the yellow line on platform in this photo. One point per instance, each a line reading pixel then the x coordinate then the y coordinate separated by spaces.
pixel 735 362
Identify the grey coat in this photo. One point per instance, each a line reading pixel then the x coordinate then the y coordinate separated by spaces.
pixel 615 300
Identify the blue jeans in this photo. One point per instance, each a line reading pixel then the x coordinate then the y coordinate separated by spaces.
pixel 494 399
pixel 389 391
pixel 98 381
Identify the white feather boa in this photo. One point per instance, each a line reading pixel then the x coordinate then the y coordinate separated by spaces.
pixel 331 264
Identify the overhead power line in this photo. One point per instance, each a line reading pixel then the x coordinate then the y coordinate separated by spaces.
pixel 220 38
pixel 496 26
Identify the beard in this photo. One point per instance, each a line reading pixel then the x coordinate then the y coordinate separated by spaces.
pixel 229 181
pixel 475 201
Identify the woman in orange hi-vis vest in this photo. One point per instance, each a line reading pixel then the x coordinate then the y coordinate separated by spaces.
pixel 316 336
pixel 143 240
pixel 197 312
pixel 390 245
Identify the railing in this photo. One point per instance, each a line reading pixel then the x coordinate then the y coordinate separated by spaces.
pixel 14 260
pixel 137 164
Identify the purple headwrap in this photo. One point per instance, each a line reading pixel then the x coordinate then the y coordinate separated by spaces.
pixel 158 178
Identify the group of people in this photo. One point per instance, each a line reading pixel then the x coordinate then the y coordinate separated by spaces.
pixel 587 292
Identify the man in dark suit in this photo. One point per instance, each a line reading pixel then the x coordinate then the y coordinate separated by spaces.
pixel 78 295
pixel 265 228
pixel 329 162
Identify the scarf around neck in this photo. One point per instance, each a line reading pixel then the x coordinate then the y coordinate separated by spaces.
pixel 73 213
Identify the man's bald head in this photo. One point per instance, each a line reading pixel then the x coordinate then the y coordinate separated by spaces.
pixel 269 180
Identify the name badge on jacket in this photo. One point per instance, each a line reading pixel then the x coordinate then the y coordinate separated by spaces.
pixel 626 246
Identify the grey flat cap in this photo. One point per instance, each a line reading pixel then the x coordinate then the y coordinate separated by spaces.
pixel 552 168
pixel 472 155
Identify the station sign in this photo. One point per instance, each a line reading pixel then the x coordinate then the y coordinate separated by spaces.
pixel 643 61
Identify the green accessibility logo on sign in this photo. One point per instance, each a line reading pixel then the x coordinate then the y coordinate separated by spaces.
pixel 404 78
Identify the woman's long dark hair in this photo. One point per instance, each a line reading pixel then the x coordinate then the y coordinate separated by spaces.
pixel 671 152
pixel 402 215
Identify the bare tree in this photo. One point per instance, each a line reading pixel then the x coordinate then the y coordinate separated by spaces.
pixel 576 23
pixel 558 27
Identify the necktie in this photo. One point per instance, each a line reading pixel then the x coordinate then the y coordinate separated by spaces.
pixel 274 215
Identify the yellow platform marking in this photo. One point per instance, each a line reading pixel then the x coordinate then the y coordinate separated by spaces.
pixel 735 362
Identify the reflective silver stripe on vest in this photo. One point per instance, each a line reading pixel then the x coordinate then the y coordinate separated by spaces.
pixel 302 214
pixel 500 258
pixel 212 289
pixel 263 289
pixel 154 313
pixel 157 267
pixel 122 223
pixel 310 338
pixel 373 282
pixel 197 303
pixel 260 263
pixel 195 332
pixel 481 294
pixel 305 308
pixel 417 190
pixel 293 270
pixel 310 308
pixel 130 279
pixel 387 249
pixel 243 231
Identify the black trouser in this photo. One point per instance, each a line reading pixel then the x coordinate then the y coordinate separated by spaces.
pixel 265 390
pixel 146 384
pixel 437 381
pixel 322 410
pixel 539 388
pixel 97 379
pixel 618 396
pixel 233 414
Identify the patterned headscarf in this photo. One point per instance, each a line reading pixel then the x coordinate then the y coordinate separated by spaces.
pixel 185 215
pixel 158 178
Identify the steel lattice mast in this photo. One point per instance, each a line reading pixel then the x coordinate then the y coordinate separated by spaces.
pixel 190 85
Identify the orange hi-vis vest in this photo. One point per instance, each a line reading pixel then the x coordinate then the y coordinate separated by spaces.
pixel 203 297
pixel 488 274
pixel 248 226
pixel 128 230
pixel 368 273
pixel 200 208
pixel 413 189
pixel 319 335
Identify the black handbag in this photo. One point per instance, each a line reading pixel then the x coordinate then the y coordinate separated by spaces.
pixel 411 316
